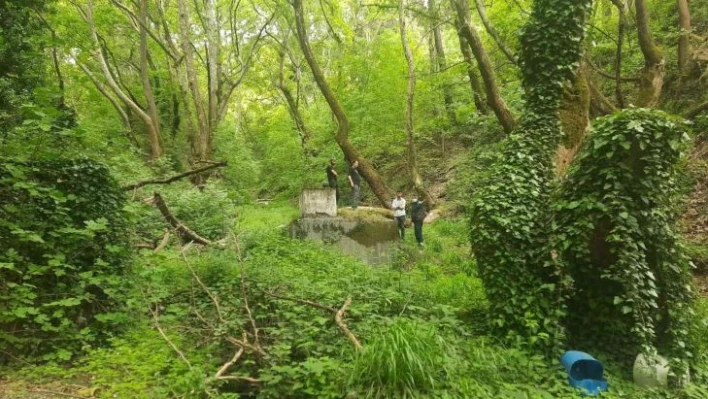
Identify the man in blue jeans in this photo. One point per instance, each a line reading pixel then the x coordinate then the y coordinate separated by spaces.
pixel 399 213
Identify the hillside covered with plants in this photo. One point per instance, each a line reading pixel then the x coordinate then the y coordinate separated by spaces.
pixel 153 154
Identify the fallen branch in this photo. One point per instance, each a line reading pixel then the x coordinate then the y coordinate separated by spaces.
pixel 338 314
pixel 302 301
pixel 343 326
pixel 163 243
pixel 167 339
pixel 68 395
pixel 695 111
pixel 245 345
pixel 245 299
pixel 174 178
pixel 213 297
pixel 227 365
pixel 241 378
pixel 181 228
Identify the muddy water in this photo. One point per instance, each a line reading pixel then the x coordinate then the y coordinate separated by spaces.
pixel 372 242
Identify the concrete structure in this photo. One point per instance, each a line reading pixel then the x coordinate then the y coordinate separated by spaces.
pixel 314 202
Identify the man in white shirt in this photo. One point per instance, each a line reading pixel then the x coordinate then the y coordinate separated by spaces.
pixel 399 213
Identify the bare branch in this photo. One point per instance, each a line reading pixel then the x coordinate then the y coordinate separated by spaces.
pixel 343 326
pixel 302 301
pixel 175 177
pixel 156 322
pixel 228 364
pixel 213 297
pixel 245 298
pixel 163 243
pixel 179 226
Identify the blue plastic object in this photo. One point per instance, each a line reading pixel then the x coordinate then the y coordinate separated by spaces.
pixel 584 372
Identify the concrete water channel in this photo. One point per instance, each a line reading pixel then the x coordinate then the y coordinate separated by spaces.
pixel 369 237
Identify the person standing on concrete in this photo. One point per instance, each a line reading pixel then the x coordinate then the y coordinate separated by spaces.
pixel 418 215
pixel 399 213
pixel 332 177
pixel 355 183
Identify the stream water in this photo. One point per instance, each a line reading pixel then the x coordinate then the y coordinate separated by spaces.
pixel 372 242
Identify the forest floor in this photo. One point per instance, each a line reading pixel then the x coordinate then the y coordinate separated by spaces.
pixel 441 280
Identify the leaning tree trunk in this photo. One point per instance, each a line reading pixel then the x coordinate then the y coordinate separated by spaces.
pixel 367 170
pixel 652 75
pixel 494 98
pixel 410 95
pixel 475 84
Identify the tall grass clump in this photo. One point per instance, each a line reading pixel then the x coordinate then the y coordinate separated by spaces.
pixel 401 360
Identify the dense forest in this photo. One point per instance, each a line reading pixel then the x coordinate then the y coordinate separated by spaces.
pixel 155 156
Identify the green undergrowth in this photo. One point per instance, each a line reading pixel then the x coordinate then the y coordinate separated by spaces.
pixel 421 321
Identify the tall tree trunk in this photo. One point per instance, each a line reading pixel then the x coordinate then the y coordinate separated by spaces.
pixel 475 84
pixel 621 27
pixel 200 148
pixel 98 53
pixel 494 99
pixel 442 61
pixel 155 139
pixel 652 75
pixel 410 96
pixel 367 170
pixel 213 50
pixel 684 47
pixel 482 11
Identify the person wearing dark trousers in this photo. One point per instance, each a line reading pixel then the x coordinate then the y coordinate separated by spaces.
pixel 355 182
pixel 418 215
pixel 399 213
pixel 332 177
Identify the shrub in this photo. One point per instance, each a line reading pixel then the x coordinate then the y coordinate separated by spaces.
pixel 401 360
pixel 615 222
pixel 63 233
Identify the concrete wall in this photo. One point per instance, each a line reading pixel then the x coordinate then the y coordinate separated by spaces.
pixel 318 202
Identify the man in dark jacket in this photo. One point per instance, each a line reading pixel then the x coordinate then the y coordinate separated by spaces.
pixel 418 215
pixel 332 177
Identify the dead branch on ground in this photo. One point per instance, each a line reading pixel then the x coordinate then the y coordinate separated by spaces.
pixel 338 314
pixel 184 231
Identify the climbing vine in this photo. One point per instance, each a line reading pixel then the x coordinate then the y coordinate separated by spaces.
pixel 614 231
pixel 63 235
pixel 511 214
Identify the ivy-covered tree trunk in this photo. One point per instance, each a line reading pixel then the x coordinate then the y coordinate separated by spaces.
pixel 511 220
pixel 616 234
pixel 367 170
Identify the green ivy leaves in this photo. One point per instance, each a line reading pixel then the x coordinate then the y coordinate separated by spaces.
pixel 631 289
pixel 64 235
